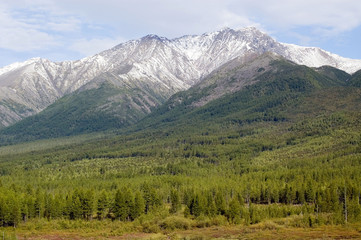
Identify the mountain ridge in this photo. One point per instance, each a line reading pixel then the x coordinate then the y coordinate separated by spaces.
pixel 251 90
pixel 165 65
pixel 248 89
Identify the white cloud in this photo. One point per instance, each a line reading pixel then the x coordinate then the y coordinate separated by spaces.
pixel 25 40
pixel 232 20
pixel 93 46
pixel 70 24
pixel 88 26
pixel 20 36
pixel 177 17
pixel 333 16
pixel 46 19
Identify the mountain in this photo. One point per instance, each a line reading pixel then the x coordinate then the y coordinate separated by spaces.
pixel 29 87
pixel 257 89
pixel 356 79
pixel 246 90
pixel 334 73
pixel 153 66
pixel 104 107
pixel 259 129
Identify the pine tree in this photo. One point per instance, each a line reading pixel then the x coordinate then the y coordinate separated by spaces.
pixel 234 211
pixel 88 204
pixel 197 206
pixel 188 196
pixel 211 209
pixel 68 206
pixel 102 205
pixel 254 214
pixel 309 192
pixel 139 206
pixel 2 210
pixel 30 205
pixel 24 211
pixel 123 203
pixel 118 205
pixel 58 206
pixel 175 201
pixel 300 195
pixel 14 210
pixel 151 198
pixel 39 204
pixel 76 211
pixel 48 206
pixel 220 204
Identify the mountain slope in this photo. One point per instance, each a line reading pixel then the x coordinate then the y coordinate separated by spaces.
pixel 356 79
pixel 37 83
pixel 97 106
pixel 334 73
pixel 256 90
pixel 250 88
pixel 166 66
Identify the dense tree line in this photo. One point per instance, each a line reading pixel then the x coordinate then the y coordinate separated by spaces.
pixel 233 171
pixel 252 204
pixel 124 205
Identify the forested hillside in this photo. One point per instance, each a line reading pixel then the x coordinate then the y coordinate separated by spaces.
pixel 284 150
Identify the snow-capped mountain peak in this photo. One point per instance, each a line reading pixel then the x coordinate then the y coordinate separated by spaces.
pixel 154 64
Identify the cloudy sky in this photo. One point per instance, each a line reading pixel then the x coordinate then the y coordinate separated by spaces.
pixel 71 29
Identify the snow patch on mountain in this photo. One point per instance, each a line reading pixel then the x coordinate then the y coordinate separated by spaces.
pixel 156 64
pixel 317 57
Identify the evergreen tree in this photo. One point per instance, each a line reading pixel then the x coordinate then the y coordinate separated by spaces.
pixel 253 214
pixel 309 192
pixel 188 195
pixel 234 211
pixel 88 204
pixel 14 210
pixel 48 206
pixel 151 198
pixel 58 206
pixel 30 206
pixel 67 211
pixel 175 201
pixel 220 203
pixel 211 209
pixel 123 204
pixel 39 204
pixel 300 195
pixel 196 206
pixel 118 207
pixel 139 206
pixel 76 211
pixel 3 209
pixel 24 210
pixel 102 205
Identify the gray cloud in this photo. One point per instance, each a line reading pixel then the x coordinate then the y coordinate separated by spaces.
pixel 18 35
pixel 174 17
pixel 74 25
pixel 89 47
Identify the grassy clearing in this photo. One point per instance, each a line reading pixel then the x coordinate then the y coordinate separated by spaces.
pixel 264 230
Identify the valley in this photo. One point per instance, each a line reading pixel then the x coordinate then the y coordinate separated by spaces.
pixel 260 147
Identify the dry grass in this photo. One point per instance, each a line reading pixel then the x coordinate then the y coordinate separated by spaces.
pixel 264 231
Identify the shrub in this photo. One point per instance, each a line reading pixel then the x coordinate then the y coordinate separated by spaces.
pixel 175 222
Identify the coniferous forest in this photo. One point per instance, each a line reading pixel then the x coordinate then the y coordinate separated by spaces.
pixel 281 154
